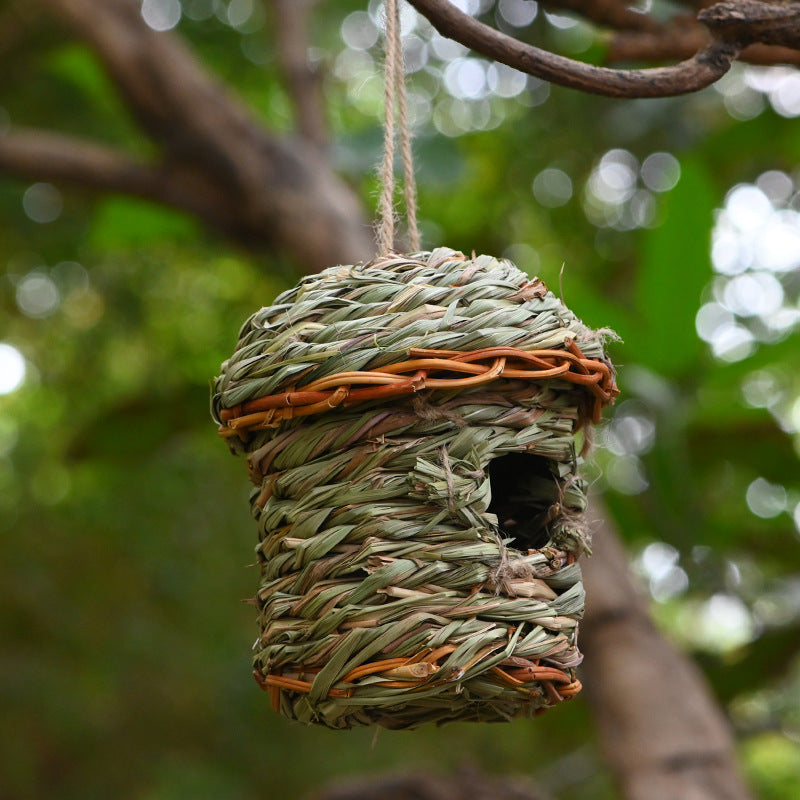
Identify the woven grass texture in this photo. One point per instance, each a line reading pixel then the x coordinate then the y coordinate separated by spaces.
pixel 412 431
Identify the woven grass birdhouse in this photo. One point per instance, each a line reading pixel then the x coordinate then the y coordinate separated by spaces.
pixel 412 430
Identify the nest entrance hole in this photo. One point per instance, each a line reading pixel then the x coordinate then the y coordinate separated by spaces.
pixel 525 495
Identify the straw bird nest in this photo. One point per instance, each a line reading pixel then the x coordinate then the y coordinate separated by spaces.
pixel 412 427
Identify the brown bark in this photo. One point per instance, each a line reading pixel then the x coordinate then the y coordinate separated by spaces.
pixel 750 21
pixel 253 186
pixel 663 734
pixel 616 14
pixel 680 40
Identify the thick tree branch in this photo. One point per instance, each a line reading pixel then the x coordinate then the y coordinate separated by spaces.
pixel 663 734
pixel 692 75
pixel 43 156
pixel 733 27
pixel 281 192
pixel 303 81
pixel 680 40
pixel 683 35
pixel 615 14
pixel 39 155
pixel 750 21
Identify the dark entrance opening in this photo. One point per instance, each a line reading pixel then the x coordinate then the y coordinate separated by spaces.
pixel 524 493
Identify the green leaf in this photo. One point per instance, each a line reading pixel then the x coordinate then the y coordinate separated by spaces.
pixel 675 266
pixel 126 222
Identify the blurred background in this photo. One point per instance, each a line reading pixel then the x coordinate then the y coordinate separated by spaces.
pixel 125 537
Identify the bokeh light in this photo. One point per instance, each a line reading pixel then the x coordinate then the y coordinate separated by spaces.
pixel 629 435
pixel 748 90
pixel 755 252
pixel 661 172
pixel 451 90
pixel 42 203
pixel 552 187
pixel 658 564
pixel 505 81
pixel 766 499
pixel 37 295
pixel 12 368
pixel 619 191
pixel 359 31
pixel 518 13
pixel 724 623
pixel 465 78
pixel 762 389
pixel 162 15
pixel 240 12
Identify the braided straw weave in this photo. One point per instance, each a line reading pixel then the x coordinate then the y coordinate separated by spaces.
pixel 381 407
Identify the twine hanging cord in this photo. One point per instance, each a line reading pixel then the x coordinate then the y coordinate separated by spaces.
pixel 396 120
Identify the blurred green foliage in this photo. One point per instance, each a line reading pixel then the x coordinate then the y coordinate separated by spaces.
pixel 124 531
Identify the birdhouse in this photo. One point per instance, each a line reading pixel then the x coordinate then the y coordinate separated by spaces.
pixel 413 429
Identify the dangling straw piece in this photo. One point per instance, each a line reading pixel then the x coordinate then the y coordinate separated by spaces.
pixel 395 94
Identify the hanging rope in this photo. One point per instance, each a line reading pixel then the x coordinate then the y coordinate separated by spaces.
pixel 395 95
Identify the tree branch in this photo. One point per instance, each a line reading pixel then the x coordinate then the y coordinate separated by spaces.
pixel 750 21
pixel 280 192
pixel 663 734
pixel 692 75
pixel 303 81
pixel 615 14
pixel 679 40
pixel 733 27
pixel 37 155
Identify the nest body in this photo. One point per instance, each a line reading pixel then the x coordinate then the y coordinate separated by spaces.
pixel 416 489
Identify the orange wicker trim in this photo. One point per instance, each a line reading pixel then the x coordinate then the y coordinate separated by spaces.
pixel 419 670
pixel 417 373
